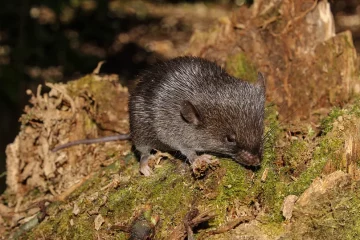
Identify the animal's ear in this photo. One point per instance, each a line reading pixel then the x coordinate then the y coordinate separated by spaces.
pixel 189 113
pixel 260 81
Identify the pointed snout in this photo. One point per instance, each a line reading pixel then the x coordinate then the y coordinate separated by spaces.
pixel 248 159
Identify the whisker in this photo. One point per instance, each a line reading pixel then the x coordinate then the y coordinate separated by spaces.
pixel 268 133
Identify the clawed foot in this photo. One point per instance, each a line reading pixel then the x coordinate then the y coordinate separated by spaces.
pixel 199 165
pixel 144 162
pixel 202 163
pixel 146 170
pixel 144 166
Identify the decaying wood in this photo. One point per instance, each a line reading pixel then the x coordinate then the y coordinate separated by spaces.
pixel 295 47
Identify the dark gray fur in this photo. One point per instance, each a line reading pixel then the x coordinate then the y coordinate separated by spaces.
pixel 222 106
pixel 191 105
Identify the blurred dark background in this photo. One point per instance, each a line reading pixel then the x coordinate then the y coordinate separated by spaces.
pixel 53 41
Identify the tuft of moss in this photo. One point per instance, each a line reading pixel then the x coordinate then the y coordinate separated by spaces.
pixel 235 185
pixel 327 123
pixel 293 155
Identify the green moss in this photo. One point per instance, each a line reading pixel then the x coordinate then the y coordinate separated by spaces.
pixel 239 66
pixel 121 236
pixel 86 186
pixel 234 185
pixel 86 81
pixel 235 174
pixel 278 185
pixel 172 194
pixel 327 150
pixel 274 190
pixel 121 201
pixel 168 194
pixel 272 131
pixel 84 228
pixel 327 123
pixel 355 107
pixel 35 193
pixel 272 184
pixel 272 194
pixel 95 87
pixel 89 124
pixel 46 230
pixel 306 178
pixel 59 225
pixel 293 155
pixel 245 186
pixel 334 216
pixel 273 229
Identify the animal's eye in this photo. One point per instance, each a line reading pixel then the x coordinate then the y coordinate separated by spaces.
pixel 230 138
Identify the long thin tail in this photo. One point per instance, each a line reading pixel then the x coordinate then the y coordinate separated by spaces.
pixel 93 140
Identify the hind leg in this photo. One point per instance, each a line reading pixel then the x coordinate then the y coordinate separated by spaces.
pixel 144 160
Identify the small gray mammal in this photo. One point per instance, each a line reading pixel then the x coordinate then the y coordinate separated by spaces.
pixel 192 105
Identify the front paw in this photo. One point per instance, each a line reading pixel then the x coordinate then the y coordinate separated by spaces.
pixel 202 163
